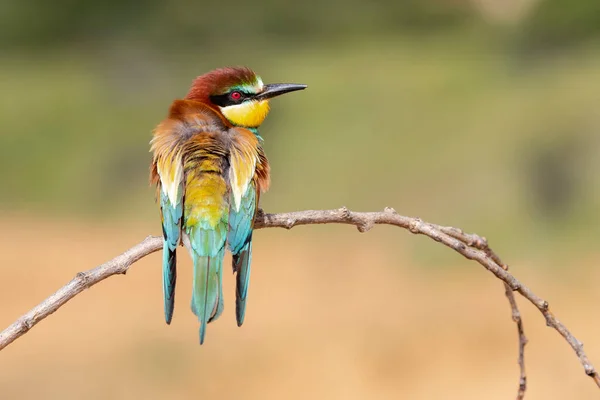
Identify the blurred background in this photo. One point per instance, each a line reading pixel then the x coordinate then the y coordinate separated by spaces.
pixel 479 114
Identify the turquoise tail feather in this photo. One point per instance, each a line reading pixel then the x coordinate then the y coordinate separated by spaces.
pixel 207 295
pixel 171 226
pixel 241 264
pixel 169 280
pixel 241 222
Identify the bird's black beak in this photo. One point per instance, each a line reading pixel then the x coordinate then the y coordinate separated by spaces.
pixel 275 89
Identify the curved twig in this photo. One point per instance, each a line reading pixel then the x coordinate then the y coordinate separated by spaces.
pixel 470 246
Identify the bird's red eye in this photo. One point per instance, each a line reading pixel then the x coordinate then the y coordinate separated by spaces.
pixel 236 95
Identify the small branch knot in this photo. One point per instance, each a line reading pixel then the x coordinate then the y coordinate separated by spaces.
pixel 389 210
pixel 28 323
pixel 481 243
pixel 589 370
pixel 289 223
pixel 413 226
pixel 364 227
pixel 344 212
pixel 83 277
pixel 545 305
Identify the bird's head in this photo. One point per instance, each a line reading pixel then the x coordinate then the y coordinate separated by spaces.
pixel 239 94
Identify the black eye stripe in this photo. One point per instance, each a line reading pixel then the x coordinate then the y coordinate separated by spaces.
pixel 224 100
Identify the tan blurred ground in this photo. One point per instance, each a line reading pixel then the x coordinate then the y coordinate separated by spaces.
pixel 340 316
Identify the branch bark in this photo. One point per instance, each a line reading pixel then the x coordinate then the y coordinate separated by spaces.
pixel 471 246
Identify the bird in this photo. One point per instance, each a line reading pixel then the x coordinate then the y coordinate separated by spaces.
pixel 210 169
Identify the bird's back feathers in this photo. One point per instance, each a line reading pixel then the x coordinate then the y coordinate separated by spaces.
pixel 209 175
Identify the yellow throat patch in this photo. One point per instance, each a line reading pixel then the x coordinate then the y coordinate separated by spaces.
pixel 249 114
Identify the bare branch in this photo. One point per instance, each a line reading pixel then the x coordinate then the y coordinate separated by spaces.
pixel 516 316
pixel 82 280
pixel 470 246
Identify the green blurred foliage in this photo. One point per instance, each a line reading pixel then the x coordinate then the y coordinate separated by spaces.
pixel 560 24
pixel 39 23
pixel 419 105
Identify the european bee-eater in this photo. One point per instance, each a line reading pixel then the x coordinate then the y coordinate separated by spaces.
pixel 210 169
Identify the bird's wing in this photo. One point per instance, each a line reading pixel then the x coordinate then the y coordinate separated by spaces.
pixel 241 223
pixel 246 160
pixel 167 172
